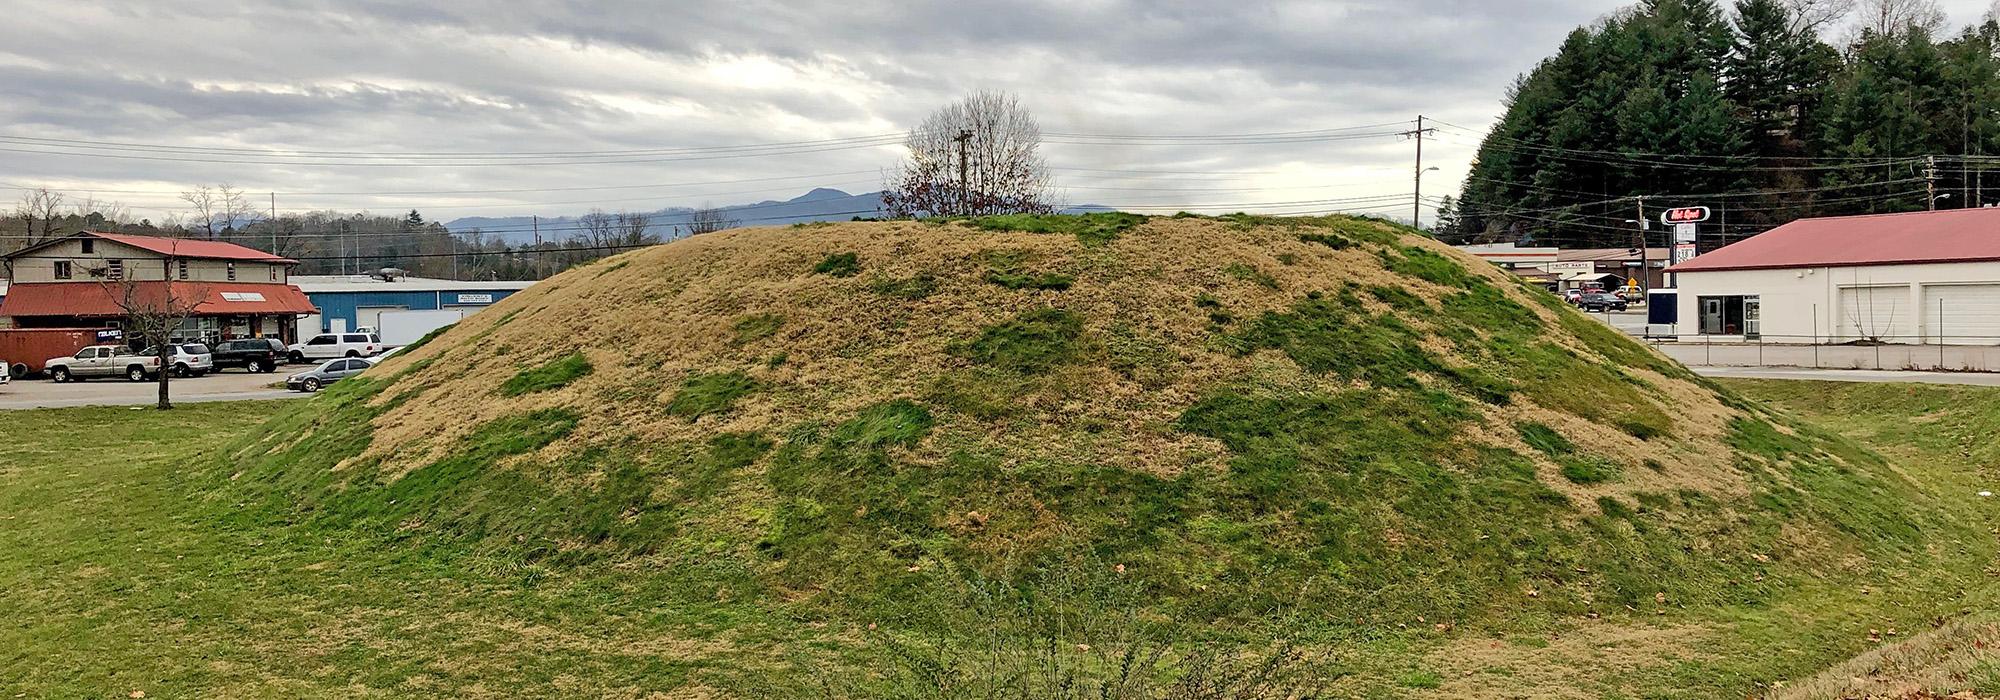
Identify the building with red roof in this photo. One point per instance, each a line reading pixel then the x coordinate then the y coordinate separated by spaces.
pixel 88 280
pixel 1914 278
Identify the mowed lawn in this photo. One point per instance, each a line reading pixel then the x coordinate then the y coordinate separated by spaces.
pixel 120 574
pixel 119 577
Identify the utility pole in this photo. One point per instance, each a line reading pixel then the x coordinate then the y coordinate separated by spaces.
pixel 964 136
pixel 1417 187
pixel 274 222
pixel 536 221
pixel 1930 182
pixel 1645 276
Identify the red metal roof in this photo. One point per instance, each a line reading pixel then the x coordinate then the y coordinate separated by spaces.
pixel 191 248
pixel 1958 235
pixel 94 299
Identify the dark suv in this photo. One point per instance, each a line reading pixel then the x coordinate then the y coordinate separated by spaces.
pixel 1601 302
pixel 252 354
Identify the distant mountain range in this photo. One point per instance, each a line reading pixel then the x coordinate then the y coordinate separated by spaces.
pixel 820 204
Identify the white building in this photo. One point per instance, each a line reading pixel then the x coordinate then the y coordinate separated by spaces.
pixel 1915 278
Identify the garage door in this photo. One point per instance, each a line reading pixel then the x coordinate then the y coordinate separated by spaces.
pixel 1881 313
pixel 371 316
pixel 1963 314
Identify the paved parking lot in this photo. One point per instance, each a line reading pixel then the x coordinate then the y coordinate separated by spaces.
pixel 229 385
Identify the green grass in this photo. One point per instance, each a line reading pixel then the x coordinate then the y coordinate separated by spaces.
pixel 839 265
pixel 556 374
pixel 705 394
pixel 1094 229
pixel 1008 268
pixel 197 579
pixel 910 288
pixel 755 327
pixel 1251 274
pixel 1032 343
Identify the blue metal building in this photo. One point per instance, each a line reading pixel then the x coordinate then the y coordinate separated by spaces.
pixel 347 302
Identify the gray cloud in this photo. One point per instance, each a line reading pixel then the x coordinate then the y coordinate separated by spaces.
pixel 487 75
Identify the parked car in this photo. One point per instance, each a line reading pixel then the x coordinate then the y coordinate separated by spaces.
pixel 1601 302
pixel 189 359
pixel 1573 296
pixel 102 361
pixel 252 354
pixel 330 345
pixel 326 373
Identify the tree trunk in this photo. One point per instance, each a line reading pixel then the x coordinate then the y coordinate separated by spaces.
pixel 166 368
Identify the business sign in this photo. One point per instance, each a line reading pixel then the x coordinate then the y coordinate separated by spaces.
pixel 1563 268
pixel 1683 233
pixel 1684 215
pixel 475 298
pixel 1683 252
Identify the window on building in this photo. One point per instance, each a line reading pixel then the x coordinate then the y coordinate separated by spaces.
pixel 1730 315
pixel 89 246
pixel 183 268
pixel 63 269
pixel 232 272
pixel 114 269
pixel 274 272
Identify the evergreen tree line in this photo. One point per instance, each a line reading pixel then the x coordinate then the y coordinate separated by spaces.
pixel 332 243
pixel 1750 113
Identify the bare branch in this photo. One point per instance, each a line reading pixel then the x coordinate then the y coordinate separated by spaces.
pixel 978 156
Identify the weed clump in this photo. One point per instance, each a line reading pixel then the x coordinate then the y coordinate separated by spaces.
pixel 839 265
pixel 1031 343
pixel 704 394
pixel 911 288
pixel 1251 274
pixel 554 375
pixel 1577 467
pixel 753 328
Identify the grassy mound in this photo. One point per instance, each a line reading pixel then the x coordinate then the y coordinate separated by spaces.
pixel 1230 420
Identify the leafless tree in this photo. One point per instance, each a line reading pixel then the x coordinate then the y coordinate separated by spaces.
pixel 39 206
pixel 1815 15
pixel 709 220
pixel 217 209
pixel 980 155
pixel 153 310
pixel 107 211
pixel 606 231
pixel 1895 17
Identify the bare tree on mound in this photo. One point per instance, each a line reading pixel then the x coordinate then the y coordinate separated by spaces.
pixel 709 220
pixel 153 310
pixel 978 156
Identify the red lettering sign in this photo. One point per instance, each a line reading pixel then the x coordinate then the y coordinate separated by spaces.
pixel 1684 215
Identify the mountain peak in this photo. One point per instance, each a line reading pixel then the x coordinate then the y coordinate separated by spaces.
pixel 820 193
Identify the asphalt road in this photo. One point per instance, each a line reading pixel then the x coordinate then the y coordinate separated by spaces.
pixel 229 385
pixel 1850 375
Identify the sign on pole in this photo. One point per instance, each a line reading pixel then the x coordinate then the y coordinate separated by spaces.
pixel 1683 233
pixel 1683 252
pixel 1684 215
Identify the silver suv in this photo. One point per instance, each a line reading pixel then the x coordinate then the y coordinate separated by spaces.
pixel 189 360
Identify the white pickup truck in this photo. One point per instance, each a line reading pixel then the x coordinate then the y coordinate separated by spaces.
pixel 102 361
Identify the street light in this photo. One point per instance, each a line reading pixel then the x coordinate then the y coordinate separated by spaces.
pixel 1934 200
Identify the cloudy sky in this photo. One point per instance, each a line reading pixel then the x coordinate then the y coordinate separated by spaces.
pixel 490 108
